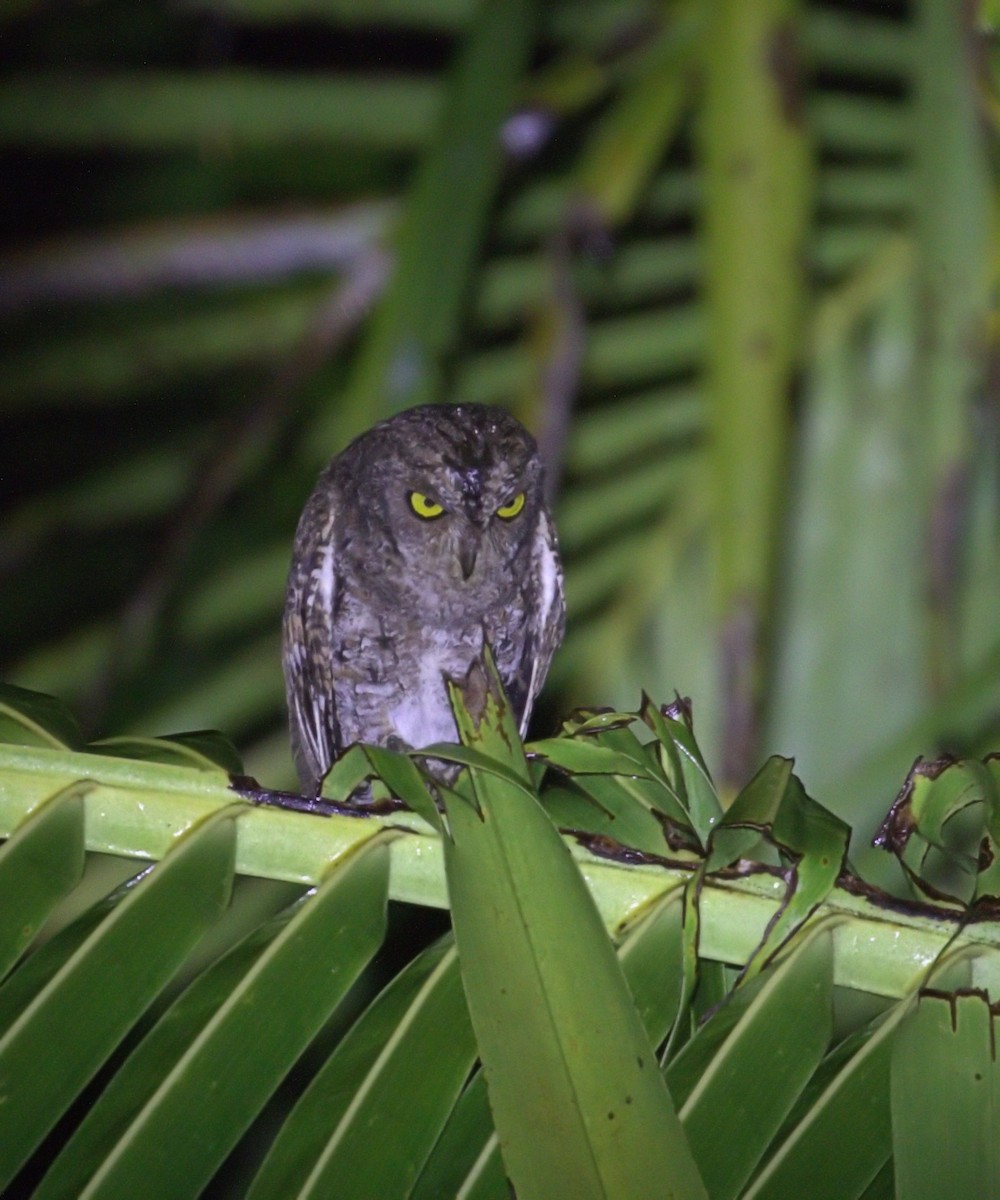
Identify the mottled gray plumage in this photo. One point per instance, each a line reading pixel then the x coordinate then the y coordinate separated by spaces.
pixel 383 603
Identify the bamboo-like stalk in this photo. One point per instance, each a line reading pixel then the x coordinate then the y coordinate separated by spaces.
pixel 952 221
pixel 757 202
pixel 139 809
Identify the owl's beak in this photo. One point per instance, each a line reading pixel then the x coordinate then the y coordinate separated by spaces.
pixel 468 552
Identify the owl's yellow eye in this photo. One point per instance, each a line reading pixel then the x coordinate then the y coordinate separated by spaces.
pixel 424 506
pixel 513 506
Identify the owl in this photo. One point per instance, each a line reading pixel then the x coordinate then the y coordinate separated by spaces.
pixel 426 537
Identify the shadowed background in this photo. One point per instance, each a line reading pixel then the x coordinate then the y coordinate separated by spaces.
pixel 733 263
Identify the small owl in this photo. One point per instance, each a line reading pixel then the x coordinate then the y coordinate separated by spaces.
pixel 427 535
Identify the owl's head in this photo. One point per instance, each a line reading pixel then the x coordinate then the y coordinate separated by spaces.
pixel 457 490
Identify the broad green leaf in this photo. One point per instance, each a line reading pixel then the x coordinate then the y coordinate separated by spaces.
pixel 616 753
pixel 34 719
pixel 946 1098
pixel 651 959
pixel 466 1161
pixel 597 754
pixel 618 787
pixel 471 757
pixel 400 775
pixel 397 771
pixel 371 1116
pixel 153 1059
pixel 237 1060
pixel 43 964
pixel 695 977
pixel 349 771
pixel 846 1104
pixel 594 720
pixel 606 809
pixel 107 984
pixel 578 1065
pixel 39 864
pixel 883 1186
pixel 774 1029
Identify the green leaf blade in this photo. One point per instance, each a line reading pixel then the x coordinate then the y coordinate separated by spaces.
pixel 106 985
pixel 368 1121
pixel 39 864
pixel 152 1060
pixel 777 1029
pixel 244 1051
pixel 946 1098
pixel 582 1068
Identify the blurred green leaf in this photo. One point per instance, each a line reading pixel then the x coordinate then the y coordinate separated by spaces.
pixel 33 719
pixel 629 140
pixel 758 191
pixel 418 320
pixel 206 749
pixel 148 110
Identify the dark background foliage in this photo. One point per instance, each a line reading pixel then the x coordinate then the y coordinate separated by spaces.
pixel 743 297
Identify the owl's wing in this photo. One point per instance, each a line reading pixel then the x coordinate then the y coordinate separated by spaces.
pixel 308 651
pixel 548 616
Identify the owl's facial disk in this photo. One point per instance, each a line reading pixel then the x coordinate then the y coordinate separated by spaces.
pixel 469 516
pixel 467 522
